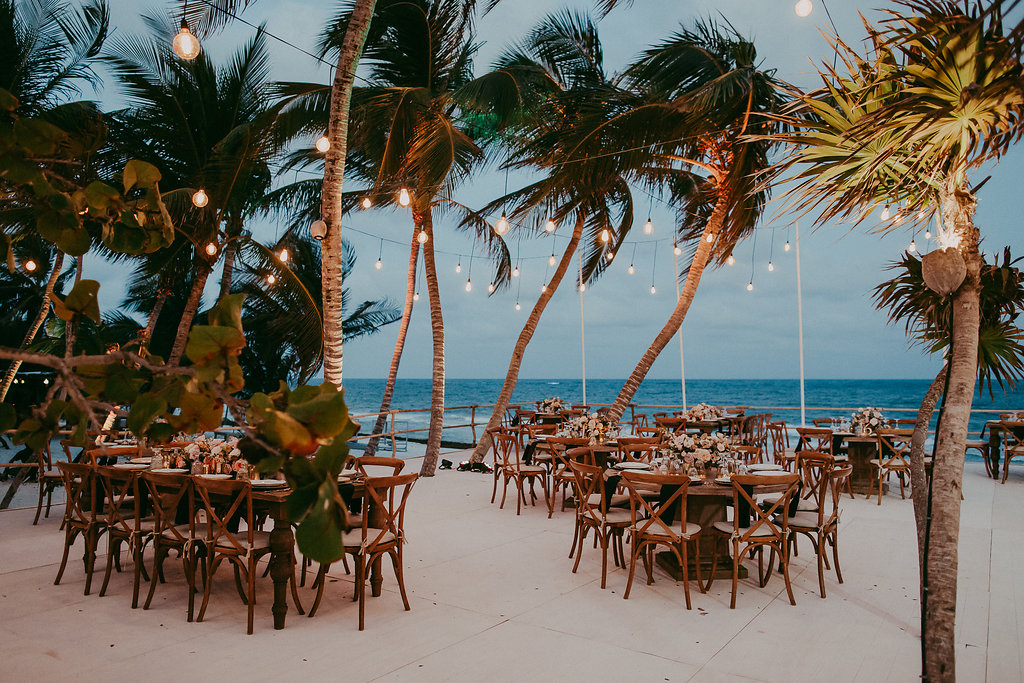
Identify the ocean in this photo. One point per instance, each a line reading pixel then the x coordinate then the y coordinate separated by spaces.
pixel 824 398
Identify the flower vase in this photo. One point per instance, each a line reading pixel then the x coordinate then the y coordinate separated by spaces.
pixel 710 474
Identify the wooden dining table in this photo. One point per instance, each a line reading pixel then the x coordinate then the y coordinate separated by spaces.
pixel 860 449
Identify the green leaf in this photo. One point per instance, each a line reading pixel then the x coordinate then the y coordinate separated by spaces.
pixel 228 312
pixel 101 196
pixel 41 138
pixel 319 533
pixel 145 409
pixel 8 102
pixel 160 432
pixel 122 386
pixel 140 174
pixel 83 300
pixel 206 342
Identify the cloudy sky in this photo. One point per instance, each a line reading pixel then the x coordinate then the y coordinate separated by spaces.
pixel 729 332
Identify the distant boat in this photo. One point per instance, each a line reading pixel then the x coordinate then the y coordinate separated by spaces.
pixel 553 383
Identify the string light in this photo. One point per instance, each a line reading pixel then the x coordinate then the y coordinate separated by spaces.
pixel 422 237
pixel 750 286
pixel 501 227
pixel 731 260
pixel 380 264
pixel 885 213
pixel 771 252
pixel 403 197
pixel 803 8
pixel 469 281
pixel 552 260
pixel 416 296
pixel 30 266
pixel 927 234
pixel 211 248
pixel 675 249
pixel 200 198
pixel 515 272
pixel 912 247
pixel 469 285
pixel 318 230
pixel 771 266
pixel 490 288
pixel 271 279
pixel 323 144
pixel 610 255
pixel 631 269
pixel 458 267
pixel 518 306
pixel 582 287
pixel 632 258
pixel 543 288
pixel 283 255
pixel 549 226
pixel 786 247
pixel 367 203
pixel 710 238
pixel 648 227
pixel 605 235
pixel 185 43
pixel 653 290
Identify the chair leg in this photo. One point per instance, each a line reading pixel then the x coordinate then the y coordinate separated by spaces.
pixel 113 548
pixel 69 538
pixel 361 590
pixel 681 556
pixel 735 572
pixel 785 574
pixel 835 556
pixel 820 552
pixel 633 554
pixel 396 560
pixel 39 505
pixel 321 575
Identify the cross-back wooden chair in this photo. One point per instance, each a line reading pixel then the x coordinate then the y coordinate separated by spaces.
pixel 507 456
pixel 750 455
pixel 779 438
pixel 82 516
pixel 824 422
pixel 1013 445
pixel 125 524
pixel 818 439
pixel 562 477
pixel 671 425
pixel 653 523
pixel 637 452
pixel 360 463
pixel 108 455
pixel 766 528
pixel 385 502
pixel 50 479
pixel 594 513
pixel 168 494
pixel 893 458
pixel 221 500
pixel 822 525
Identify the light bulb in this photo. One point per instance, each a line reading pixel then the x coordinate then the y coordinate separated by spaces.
pixel 631 269
pixel 551 260
pixel 416 296
pixel 543 288
pixel 750 286
pixel 403 197
pixel 927 234
pixel 30 266
pixel 676 250
pixel 469 285
pixel 422 237
pixel 582 287
pixel 648 227
pixel 200 198
pixel 501 227
pixel 885 213
pixel 367 203
pixel 771 266
pixel 549 226
pixel 515 272
pixel 731 260
pixel 458 267
pixel 605 235
pixel 185 44
pixel 653 290
pixel 610 255
pixel 318 230
pixel 803 8
pixel 786 246
pixel 518 306
pixel 490 288
pixel 211 248
pixel 271 279
pixel 912 247
pixel 921 215
pixel 283 255
pixel 378 265
pixel 323 143
pixel 710 238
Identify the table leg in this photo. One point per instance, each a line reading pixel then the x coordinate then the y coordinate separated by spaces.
pixel 993 449
pixel 282 542
pixel 376 579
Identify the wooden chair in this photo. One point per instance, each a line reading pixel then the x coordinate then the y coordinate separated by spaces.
pixel 893 458
pixel 767 528
pixel 221 499
pixel 653 524
pixel 506 449
pixel 750 455
pixel 81 516
pixel 779 438
pixel 562 477
pixel 814 439
pixel 822 525
pixel 168 493
pixel 360 463
pixel 637 452
pixel 594 513
pixel 822 422
pixel 384 501
pixel 125 524
pixel 1013 444
pixel 50 479
pixel 108 455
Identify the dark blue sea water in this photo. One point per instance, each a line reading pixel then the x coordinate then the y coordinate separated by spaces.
pixel 824 398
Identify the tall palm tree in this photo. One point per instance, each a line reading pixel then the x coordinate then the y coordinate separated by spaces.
pixel 939 94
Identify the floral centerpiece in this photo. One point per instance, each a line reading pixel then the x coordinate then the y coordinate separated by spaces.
pixel 699 450
pixel 702 411
pixel 589 426
pixel 867 420
pixel 212 451
pixel 550 405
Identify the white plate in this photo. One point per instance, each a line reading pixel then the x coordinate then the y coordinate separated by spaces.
pixel 170 470
pixel 696 479
pixel 214 476
pixel 723 481
pixel 140 461
pixel 131 466
pixel 267 483
pixel 774 473
pixel 764 467
pixel 632 466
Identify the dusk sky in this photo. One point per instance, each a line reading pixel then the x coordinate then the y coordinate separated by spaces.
pixel 729 332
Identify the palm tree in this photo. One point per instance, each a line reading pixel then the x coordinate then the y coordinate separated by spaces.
pixel 939 94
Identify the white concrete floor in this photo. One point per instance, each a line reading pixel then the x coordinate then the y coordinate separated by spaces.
pixel 493 599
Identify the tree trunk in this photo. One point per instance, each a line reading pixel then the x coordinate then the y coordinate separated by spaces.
pixel 71 326
pixel 334 170
pixel 918 475
pixel 512 376
pixel 423 217
pixel 161 297
pixel 229 268
pixel 396 355
pixel 700 260
pixel 938 632
pixel 33 330
pixel 203 270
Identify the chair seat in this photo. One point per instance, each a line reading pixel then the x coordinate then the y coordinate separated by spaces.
pixel 727 528
pixel 353 540
pixel 804 520
pixel 50 474
pixel 260 541
pixel 977 444
pixel 616 516
pixel 892 466
pixel 805 504
pixel 531 469
pixel 691 531
pixel 616 501
pixel 183 530
pixel 841 458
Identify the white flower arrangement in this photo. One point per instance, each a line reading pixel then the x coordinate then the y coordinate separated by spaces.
pixel 202 448
pixel 868 419
pixel 551 405
pixel 699 449
pixel 589 426
pixel 703 411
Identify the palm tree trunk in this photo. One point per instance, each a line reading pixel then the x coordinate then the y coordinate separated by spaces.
pixel 700 261
pixel 512 376
pixel 33 330
pixel 396 355
pixel 229 269
pixel 334 169
pixel 71 326
pixel 203 270
pixel 161 298
pixel 918 475
pixel 422 216
pixel 943 531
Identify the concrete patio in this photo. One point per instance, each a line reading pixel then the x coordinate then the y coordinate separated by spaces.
pixel 493 599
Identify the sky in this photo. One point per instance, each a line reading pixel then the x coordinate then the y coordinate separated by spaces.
pixel 729 332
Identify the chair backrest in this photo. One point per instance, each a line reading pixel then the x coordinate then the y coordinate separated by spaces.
pixel 363 461
pixel 829 513
pixel 506 450
pixel 770 522
pixel 94 455
pixel 905 423
pixel 750 455
pixel 1013 435
pixel 167 492
pixel 637 440
pixel 80 491
pixel 121 490
pixel 673 425
pixel 814 469
pixel 523 416
pixel 582 453
pixel 647 516
pixel 822 422
pixel 588 482
pixel 894 447
pixel 638 452
pixel 814 439
pixel 639 420
pixel 780 441
pixel 221 500
pixel 387 496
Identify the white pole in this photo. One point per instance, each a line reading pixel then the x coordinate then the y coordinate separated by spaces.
pixel 682 369
pixel 583 346
pixel 800 328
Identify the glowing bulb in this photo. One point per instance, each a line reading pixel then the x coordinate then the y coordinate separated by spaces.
pixel 518 306
pixel 631 269
pixel 378 265
pixel 710 238
pixel 30 266
pixel 490 288
pixel 771 266
pixel 927 234
pixel 610 255
pixel 323 143
pixel 422 237
pixel 803 8
pixel 786 246
pixel 367 203
pixel 458 267
pixel 549 226
pixel 185 44
pixel 653 290
pixel 605 235
pixel 731 260
pixel 582 287
pixel 469 285
pixel 750 286
pixel 885 213
pixel 403 197
pixel 211 248
pixel 551 260
pixel 501 227
pixel 543 288
pixel 200 198
pixel 271 279
pixel 283 255
pixel 416 296
pixel 912 247
pixel 318 230
pixel 515 272
pixel 676 250
pixel 648 227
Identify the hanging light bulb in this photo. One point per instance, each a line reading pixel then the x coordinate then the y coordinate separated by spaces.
pixel 710 238
pixel 803 8
pixel 200 198
pixel 648 227
pixel 771 266
pixel 185 44
pixel 676 250
pixel 786 247
pixel 323 144
pixel 653 290
pixel 403 197
pixel 927 234
pixel 416 296
pixel 610 255
pixel 379 264
pixel 582 287
pixel 458 267
pixel 912 247
pixel 885 213
pixel 30 266
pixel 543 288
pixel 422 237
pixel 490 288
pixel 283 255
pixel 211 248
pixel 271 279
pixel 731 260
pixel 501 227
pixel 515 272
pixel 631 269
pixel 605 235
pixel 469 285
pixel 518 306
pixel 750 286
pixel 552 260
pixel 318 230
pixel 549 226
pixel 367 203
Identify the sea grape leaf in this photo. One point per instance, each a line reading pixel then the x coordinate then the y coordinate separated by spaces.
pixel 140 174
pixel 145 409
pixel 83 299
